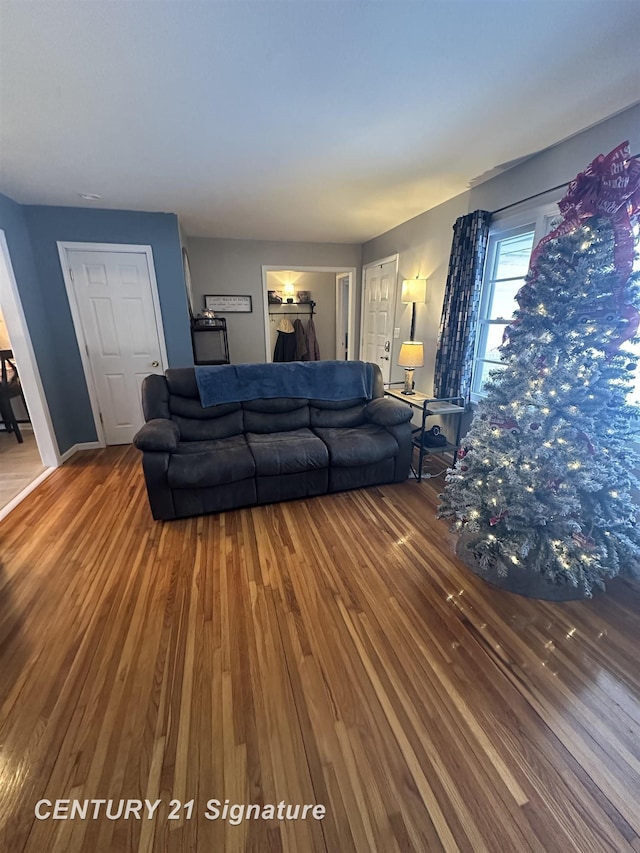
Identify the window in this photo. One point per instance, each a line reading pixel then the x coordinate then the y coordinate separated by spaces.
pixel 511 242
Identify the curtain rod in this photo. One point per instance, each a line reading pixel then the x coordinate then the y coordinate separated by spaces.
pixel 537 195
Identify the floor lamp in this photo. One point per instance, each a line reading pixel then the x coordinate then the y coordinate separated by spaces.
pixel 414 290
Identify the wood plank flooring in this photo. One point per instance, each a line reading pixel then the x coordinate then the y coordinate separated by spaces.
pixel 20 464
pixel 329 651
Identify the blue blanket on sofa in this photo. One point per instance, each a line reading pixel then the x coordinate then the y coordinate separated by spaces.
pixel 314 380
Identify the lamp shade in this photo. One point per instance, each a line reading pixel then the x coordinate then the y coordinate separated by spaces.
pixel 414 290
pixel 411 354
pixel 289 290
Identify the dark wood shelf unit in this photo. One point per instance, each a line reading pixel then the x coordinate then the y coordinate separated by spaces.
pixel 209 341
pixel 311 306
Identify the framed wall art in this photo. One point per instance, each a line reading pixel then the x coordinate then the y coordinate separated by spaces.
pixel 228 304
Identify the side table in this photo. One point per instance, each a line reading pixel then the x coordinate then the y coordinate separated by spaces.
pixel 430 406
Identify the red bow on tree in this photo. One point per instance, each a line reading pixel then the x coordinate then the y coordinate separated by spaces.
pixel 609 186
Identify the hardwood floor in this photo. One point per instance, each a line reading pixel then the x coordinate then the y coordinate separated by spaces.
pixel 330 651
pixel 20 464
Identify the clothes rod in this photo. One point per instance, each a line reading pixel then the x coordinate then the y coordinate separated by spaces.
pixel 537 195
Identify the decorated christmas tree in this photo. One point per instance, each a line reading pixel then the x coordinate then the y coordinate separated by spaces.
pixel 542 484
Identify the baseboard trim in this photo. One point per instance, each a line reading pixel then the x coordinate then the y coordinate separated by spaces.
pixel 85 445
pixel 13 503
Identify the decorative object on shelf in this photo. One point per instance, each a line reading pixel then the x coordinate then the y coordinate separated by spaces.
pixel 411 356
pixel 414 290
pixel 229 304
pixel 310 307
pixel 289 292
pixel 434 437
pixel 304 296
pixel 274 298
pixel 206 318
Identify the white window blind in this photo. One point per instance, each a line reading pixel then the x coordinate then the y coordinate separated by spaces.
pixel 511 242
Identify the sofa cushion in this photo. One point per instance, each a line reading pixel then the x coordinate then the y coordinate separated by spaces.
pixel 336 405
pixel 155 397
pixel 182 382
pixel 197 429
pixel 361 445
pixel 361 476
pixel 187 407
pixel 347 413
pixel 387 412
pixel 275 405
pixel 291 452
pixel 210 463
pixel 158 435
pixel 214 498
pixel 281 414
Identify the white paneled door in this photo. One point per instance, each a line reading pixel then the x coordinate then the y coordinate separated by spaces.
pixel 379 301
pixel 120 324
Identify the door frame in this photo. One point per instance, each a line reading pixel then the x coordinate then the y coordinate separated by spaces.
pixel 395 258
pixel 340 313
pixel 116 248
pixel 24 353
pixel 350 271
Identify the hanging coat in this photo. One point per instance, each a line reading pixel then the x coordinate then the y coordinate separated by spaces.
pixel 285 349
pixel 301 341
pixel 312 342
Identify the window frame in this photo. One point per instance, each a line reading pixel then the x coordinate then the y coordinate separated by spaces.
pixel 635 348
pixel 540 221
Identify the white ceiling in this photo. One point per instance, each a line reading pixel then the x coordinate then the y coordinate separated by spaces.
pixel 297 119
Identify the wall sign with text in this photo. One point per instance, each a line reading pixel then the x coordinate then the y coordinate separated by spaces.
pixel 228 304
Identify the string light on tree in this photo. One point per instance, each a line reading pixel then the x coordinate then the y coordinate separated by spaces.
pixel 545 488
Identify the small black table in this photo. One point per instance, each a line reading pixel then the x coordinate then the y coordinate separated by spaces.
pixel 430 407
pixel 209 341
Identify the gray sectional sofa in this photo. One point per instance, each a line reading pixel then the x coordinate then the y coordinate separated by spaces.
pixel 199 459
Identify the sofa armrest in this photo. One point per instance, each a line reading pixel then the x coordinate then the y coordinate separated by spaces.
pixel 159 435
pixel 386 412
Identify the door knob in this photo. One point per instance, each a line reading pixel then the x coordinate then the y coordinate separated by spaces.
pixel 155 364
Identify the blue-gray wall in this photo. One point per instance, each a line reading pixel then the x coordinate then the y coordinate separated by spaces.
pixel 32 233
pixel 12 222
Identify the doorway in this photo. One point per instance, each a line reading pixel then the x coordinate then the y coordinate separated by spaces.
pixel 379 285
pixel 333 311
pixel 343 295
pixel 114 303
pixel 23 464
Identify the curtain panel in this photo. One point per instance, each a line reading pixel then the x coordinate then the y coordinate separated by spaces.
pixel 457 335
